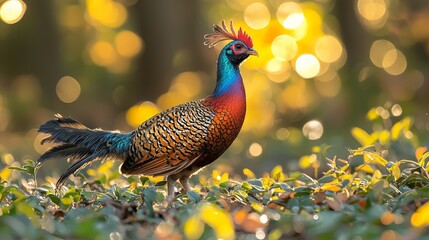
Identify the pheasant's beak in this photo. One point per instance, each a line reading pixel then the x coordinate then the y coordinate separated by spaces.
pixel 252 52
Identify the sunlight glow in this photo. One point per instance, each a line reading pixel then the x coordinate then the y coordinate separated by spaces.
pixel 128 44
pixel 68 89
pixel 328 49
pixel 139 113
pixel 255 149
pixel 313 130
pixel 378 51
pixel 398 66
pixel 12 11
pixel 290 15
pixel 307 66
pixel 282 134
pixel 257 15
pixel 396 110
pixel 102 53
pixel 385 55
pixel 107 12
pixel 284 47
pixel 372 10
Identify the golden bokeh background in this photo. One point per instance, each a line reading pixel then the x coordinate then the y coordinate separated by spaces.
pixel 113 64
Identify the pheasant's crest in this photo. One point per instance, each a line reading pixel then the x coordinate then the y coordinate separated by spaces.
pixel 222 33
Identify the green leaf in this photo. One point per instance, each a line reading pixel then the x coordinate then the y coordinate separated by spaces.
pixel 144 180
pixel 160 183
pixel 326 179
pixel 194 196
pixel 54 199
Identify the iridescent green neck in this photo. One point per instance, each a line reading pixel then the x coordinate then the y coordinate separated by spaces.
pixel 228 75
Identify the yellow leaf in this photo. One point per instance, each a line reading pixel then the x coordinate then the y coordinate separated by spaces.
pixel 267 182
pixel 249 174
pixel 372 114
pixel 360 135
pixel 365 168
pixel 400 127
pixel 331 187
pixel 5 173
pixel 370 157
pixel 406 124
pixel 219 220
pixel 105 167
pixel 304 162
pixel 193 228
pixel 155 179
pixel 396 130
pixel 377 174
pixel 422 161
pixel 215 174
pixel 218 178
pixel 384 137
pixel 307 161
pixel 420 218
pixel 420 151
pixel 91 172
pixel 396 171
pixel 316 149
pixel 277 173
pixel 224 177
pixel 67 200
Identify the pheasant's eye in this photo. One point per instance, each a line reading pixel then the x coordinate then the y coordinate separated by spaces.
pixel 238 46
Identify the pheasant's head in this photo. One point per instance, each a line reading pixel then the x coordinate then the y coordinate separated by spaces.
pixel 239 49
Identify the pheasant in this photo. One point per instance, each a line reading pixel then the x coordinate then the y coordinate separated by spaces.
pixel 175 143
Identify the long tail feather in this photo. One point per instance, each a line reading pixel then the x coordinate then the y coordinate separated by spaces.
pixel 74 169
pixel 81 144
pixel 67 151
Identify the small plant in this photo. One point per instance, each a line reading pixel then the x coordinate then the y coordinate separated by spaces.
pixel 378 191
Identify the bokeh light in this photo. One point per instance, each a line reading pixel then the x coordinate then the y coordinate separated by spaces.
pixel 378 50
pixel 139 113
pixel 108 13
pixel 282 134
pixel 128 44
pixel 386 56
pixel 255 149
pixel 257 15
pixel 328 87
pixel 290 15
pixel 398 66
pixel 307 66
pixel 284 47
pixel 12 11
pixel 313 130
pixel 180 90
pixel 396 110
pixel 372 9
pixel 68 89
pixel 328 49
pixel 103 53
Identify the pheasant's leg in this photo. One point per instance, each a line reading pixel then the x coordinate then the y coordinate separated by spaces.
pixel 170 188
pixel 185 184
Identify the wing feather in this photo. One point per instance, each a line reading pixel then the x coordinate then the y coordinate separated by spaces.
pixel 170 141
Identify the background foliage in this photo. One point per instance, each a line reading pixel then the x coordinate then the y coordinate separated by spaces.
pixel 331 76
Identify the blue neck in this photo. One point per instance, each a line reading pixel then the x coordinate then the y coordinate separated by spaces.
pixel 228 76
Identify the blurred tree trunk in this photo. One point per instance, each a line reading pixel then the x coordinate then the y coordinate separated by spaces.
pixel 31 48
pixel 169 29
pixel 357 44
pixel 44 57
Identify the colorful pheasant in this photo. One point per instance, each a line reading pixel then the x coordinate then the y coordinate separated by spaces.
pixel 174 143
